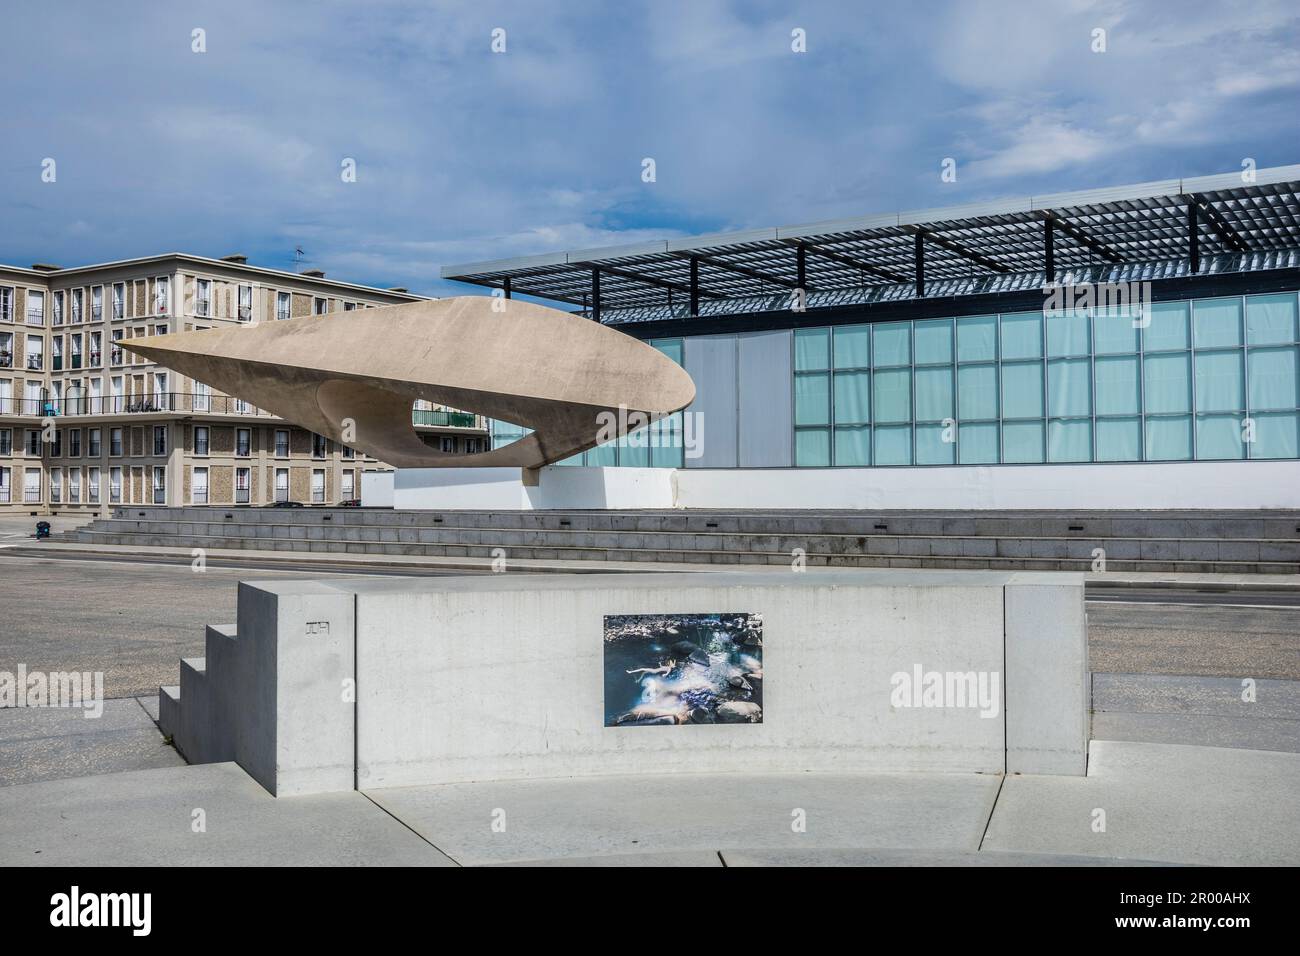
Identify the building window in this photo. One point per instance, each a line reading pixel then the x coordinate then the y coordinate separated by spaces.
pixel 6 303
pixel 116 354
pixel 160 440
pixel 348 485
pixel 96 349
pixel 320 306
pixel 56 446
pixel 115 485
pixel 348 453
pixel 199 486
pixel 5 486
pixel 78 305
pixel 282 484
pixel 92 486
pixel 92 442
pixel 161 295
pixel 245 303
pixel 202 397
pixel 283 305
pixel 242 485
pixel 200 439
pixel 56 309
pixel 119 300
pixel 6 441
pixel 243 442
pixel 319 446
pixel 6 350
pixel 56 486
pixel 203 297
pixel 74 443
pixel 35 353
pixel 281 443
pixel 35 307
pixel 97 303
pixel 318 486
pixel 115 442
pixel 74 486
pixel 31 485
pixel 74 344
pixel 349 306
pixel 159 485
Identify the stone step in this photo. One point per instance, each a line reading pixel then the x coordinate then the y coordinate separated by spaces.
pixel 169 709
pixel 1008 555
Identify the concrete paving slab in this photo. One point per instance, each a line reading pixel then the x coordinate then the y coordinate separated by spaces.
pixel 1190 695
pixel 150 704
pixel 1182 804
pixel 1201 730
pixel 914 858
pixel 693 858
pixel 677 813
pixel 53 743
pixel 146 818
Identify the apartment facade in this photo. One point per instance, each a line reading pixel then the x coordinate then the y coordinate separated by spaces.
pixel 86 425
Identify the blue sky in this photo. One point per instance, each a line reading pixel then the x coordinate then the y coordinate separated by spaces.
pixel 466 154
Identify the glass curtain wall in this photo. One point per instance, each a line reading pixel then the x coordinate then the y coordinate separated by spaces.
pixel 1205 379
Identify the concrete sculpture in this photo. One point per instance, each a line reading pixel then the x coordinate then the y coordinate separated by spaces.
pixel 353 376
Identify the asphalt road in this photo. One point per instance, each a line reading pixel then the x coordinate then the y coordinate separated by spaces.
pixel 134 620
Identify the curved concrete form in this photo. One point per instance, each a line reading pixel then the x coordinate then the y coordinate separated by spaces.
pixel 558 374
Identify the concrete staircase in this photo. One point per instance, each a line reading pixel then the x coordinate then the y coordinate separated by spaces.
pixel 191 726
pixel 1228 541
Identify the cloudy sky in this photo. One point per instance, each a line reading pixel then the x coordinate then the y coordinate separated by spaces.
pixel 463 153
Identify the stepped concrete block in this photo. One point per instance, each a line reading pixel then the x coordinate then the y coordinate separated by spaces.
pixel 169 715
pixel 1047 685
pixel 194 735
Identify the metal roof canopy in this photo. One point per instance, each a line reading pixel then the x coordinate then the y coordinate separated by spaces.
pixel 1046 236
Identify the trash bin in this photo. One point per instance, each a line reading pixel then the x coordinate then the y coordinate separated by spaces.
pixel 42 529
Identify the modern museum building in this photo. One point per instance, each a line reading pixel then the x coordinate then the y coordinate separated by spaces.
pixel 1133 346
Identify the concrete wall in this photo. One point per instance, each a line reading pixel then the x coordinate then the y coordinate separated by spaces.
pixel 1173 485
pixel 502 676
pixel 376 488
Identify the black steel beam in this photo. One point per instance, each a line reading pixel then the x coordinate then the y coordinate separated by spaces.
pixel 958 249
pixel 834 256
pixel 716 263
pixel 1229 236
pixel 595 294
pixel 648 280
pixel 695 286
pixel 919 254
pixel 1082 238
pixel 1193 238
pixel 801 266
pixel 1049 251
pixel 505 284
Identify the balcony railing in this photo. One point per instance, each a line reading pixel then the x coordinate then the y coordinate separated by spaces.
pixel 129 405
pixel 281 494
pixel 6 359
pixel 199 496
pixel 35 316
pixel 4 494
pixel 447 419
pixel 241 496
pixel 96 313
pixel 160 496
pixel 31 495
pixel 116 355
pixel 35 362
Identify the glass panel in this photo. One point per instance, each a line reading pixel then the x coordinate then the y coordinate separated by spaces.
pixel 894 445
pixel 977 391
pixel 933 393
pixel 1022 390
pixel 893 395
pixel 1067 333
pixel 1117 385
pixel 1217 322
pixel 893 343
pixel 1271 319
pixel 812 447
pixel 630 455
pixel 1022 335
pixel 666 442
pixel 933 341
pixel 931 449
pixel 812 349
pixel 1169 439
pixel 853 446
pixel 602 456
pixel 852 397
pixel 1274 378
pixel 979 443
pixel 1114 331
pixel 1068 386
pixel 1119 439
pixel 853 346
pixel 1219 385
pixel 1022 441
pixel 1277 435
pixel 812 399
pixel 1069 440
pixel 1219 436
pixel 1168 328
pixel 1168 384
pixel 977 338
pixel 670 347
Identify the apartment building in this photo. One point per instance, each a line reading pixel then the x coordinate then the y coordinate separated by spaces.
pixel 86 425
